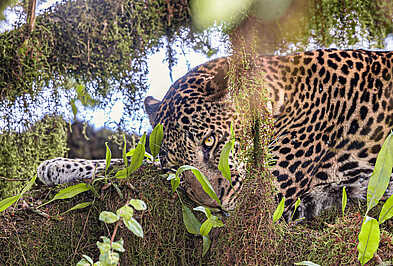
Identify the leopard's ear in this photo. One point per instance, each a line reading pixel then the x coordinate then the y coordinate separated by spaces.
pixel 219 83
pixel 151 107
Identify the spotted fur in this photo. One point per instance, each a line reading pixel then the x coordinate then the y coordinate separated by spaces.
pixel 332 108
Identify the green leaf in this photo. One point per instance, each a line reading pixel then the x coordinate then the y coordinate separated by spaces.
pixel 77 207
pixel 118 246
pixel 279 210
pixel 215 221
pixel 155 139
pixel 344 200
pixel 29 185
pixel 84 262
pixel 109 258
pixel 139 205
pixel 108 217
pixel 69 192
pixel 380 178
pixel 147 155
pixel 175 181
pixel 139 154
pixel 297 203
pixel 90 260
pixel 387 210
pixel 73 107
pixel 125 152
pixel 307 263
pixel 170 176
pixel 223 164
pixel 5 203
pixel 126 212
pixel 206 227
pixel 108 157
pixel 206 245
pixel 105 239
pixel 103 247
pixel 134 226
pixel 121 173
pixel 207 187
pixel 206 211
pixel 193 226
pixel 368 240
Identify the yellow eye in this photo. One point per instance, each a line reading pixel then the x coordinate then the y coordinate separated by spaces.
pixel 209 142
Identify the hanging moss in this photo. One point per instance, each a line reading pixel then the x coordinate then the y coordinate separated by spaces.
pixel 303 25
pixel 104 43
pixel 21 153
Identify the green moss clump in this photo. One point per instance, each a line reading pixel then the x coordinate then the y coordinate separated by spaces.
pixel 44 241
pixel 21 153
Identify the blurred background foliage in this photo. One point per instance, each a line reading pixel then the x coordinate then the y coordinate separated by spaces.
pixel 93 50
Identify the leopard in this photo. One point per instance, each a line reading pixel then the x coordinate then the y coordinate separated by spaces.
pixel 332 111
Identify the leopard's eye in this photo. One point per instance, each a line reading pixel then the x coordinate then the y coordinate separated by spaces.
pixel 209 142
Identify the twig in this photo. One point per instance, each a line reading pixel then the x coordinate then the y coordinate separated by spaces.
pixel 114 232
pixel 12 179
pixel 43 214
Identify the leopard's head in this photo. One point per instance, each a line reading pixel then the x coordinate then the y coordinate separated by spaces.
pixel 196 114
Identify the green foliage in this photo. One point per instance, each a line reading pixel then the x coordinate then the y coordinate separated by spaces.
pixel 193 226
pixel 223 164
pixel 386 211
pixel 380 178
pixel 369 236
pixel 155 139
pixel 279 210
pixel 191 223
pixel 136 160
pixel 346 23
pixel 108 248
pixel 297 203
pixel 4 204
pixel 368 239
pixel 21 153
pixel 344 200
pixel 90 51
pixel 77 207
pixel 69 192
pixel 207 187
pixel 108 157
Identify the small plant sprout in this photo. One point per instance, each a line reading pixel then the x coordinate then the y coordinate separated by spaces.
pixel 207 187
pixel 108 247
pixel 344 200
pixel 136 160
pixel 223 164
pixel 155 140
pixel 369 235
pixel 206 227
pixel 297 203
pixel 69 192
pixel 279 211
pixel 191 223
pixel 108 158
pixel 5 203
